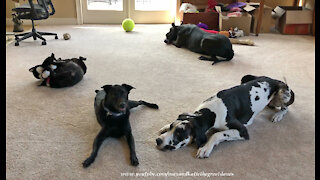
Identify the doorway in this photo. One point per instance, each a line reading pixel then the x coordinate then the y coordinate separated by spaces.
pixel 141 11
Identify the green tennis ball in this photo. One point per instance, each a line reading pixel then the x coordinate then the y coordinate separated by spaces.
pixel 128 24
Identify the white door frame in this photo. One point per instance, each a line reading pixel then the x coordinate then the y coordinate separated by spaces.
pixel 80 13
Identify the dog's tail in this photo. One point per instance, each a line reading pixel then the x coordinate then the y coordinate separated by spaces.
pixel 150 105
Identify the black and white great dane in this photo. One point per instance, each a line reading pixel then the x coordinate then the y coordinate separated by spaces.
pixel 227 114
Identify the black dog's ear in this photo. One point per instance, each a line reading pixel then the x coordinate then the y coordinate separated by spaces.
pixel 291 99
pixel 173 25
pixel 52 55
pixel 127 87
pixel 82 58
pixel 248 78
pixel 32 69
pixel 106 88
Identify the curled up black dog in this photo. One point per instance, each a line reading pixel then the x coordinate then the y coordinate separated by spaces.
pixel 112 109
pixel 59 73
pixel 199 41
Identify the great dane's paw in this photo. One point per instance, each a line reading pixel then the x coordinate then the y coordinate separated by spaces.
pixel 277 116
pixel 87 162
pixel 134 161
pixel 204 152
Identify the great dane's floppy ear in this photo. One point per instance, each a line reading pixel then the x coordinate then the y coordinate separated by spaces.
pixel 106 88
pixel 198 134
pixel 127 87
pixel 248 78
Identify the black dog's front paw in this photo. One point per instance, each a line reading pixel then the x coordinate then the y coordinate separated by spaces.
pixel 154 106
pixel 134 161
pixel 87 162
pixel 203 58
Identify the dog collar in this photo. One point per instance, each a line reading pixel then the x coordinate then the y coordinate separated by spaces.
pixel 48 81
pixel 110 113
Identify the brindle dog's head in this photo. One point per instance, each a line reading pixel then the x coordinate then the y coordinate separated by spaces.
pixel 172 34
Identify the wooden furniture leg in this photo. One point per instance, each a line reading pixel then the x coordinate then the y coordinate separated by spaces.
pixel 259 22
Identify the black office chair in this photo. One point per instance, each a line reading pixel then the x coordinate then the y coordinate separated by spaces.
pixel 33 12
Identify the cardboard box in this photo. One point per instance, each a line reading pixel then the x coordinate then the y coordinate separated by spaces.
pixel 243 22
pixel 253 9
pixel 209 18
pixel 293 20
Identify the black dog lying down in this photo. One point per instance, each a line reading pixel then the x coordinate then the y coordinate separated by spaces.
pixel 227 114
pixel 60 73
pixel 112 109
pixel 199 41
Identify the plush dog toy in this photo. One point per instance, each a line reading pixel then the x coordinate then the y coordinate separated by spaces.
pixel 59 73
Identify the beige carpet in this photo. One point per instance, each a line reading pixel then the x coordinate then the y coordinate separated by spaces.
pixel 50 131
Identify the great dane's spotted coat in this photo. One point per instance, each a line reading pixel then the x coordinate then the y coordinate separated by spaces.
pixel 227 113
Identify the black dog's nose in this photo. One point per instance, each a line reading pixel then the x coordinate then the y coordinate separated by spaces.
pixel 165 41
pixel 122 105
pixel 159 141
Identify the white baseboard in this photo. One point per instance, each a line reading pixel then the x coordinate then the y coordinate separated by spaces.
pixel 49 21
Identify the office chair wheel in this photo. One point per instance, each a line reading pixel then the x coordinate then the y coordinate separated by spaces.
pixel 34 38
pixel 16 44
pixel 56 37
pixel 44 43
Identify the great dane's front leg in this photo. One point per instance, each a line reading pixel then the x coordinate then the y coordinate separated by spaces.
pixel 164 129
pixel 133 157
pixel 215 139
pixel 279 115
pixel 103 134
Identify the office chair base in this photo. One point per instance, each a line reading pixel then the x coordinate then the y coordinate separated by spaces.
pixel 35 34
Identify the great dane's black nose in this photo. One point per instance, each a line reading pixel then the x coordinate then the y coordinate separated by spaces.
pixel 159 141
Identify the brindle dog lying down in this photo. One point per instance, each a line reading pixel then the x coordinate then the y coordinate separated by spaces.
pixel 193 38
